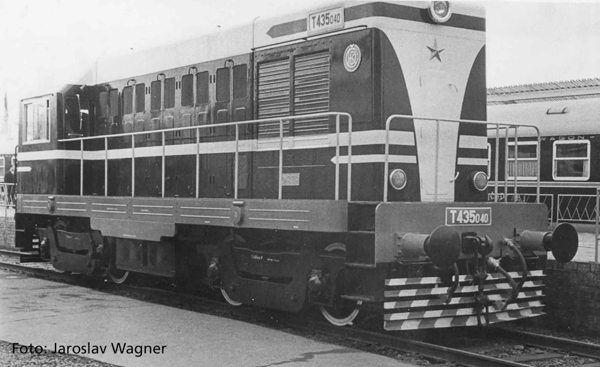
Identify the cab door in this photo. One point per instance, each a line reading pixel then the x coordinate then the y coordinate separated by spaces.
pixel 232 103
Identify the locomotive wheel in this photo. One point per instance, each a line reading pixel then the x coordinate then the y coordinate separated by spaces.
pixel 228 299
pixel 345 311
pixel 117 275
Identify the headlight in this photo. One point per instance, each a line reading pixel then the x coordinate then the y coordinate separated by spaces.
pixel 479 180
pixel 440 11
pixel 398 179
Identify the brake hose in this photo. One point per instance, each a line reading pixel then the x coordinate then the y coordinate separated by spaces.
pixel 454 286
pixel 509 243
pixel 495 264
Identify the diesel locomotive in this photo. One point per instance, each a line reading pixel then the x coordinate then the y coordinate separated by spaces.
pixel 334 158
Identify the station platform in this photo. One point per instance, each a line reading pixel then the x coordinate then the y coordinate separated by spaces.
pixel 54 316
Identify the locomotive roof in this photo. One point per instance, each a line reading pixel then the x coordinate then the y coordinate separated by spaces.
pixel 261 33
pixel 559 108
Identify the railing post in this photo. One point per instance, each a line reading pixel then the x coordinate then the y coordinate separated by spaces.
pixel 197 163
pixel 235 169
pixel 436 181
pixel 132 165
pixel 597 223
pixel 105 166
pixel 280 184
pixel 81 171
pixel 506 130
pixel 337 157
pixel 497 163
pixel 162 172
pixel 386 167
pixel 539 165
pixel 349 195
pixel 516 163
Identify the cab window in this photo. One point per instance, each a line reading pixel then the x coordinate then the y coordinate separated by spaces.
pixel 37 121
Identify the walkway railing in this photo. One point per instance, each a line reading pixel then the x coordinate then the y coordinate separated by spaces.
pixel 237 125
pixel 6 230
pixel 505 126
pixel 577 208
pixel 5 201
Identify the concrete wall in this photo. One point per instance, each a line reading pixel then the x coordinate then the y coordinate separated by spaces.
pixel 7 233
pixel 573 296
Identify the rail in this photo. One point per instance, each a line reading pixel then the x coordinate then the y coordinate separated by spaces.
pixel 505 126
pixel 337 115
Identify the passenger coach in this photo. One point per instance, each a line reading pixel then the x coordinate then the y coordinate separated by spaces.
pixel 567 115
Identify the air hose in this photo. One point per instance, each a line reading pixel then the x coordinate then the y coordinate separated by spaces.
pixel 509 243
pixel 495 264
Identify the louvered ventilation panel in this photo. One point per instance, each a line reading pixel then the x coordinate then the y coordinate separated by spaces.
pixel 273 96
pixel 311 94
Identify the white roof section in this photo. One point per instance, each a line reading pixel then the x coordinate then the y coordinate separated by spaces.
pixel 261 33
pixel 567 108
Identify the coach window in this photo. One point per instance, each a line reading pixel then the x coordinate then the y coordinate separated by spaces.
pixel 37 123
pixel 155 95
pixel 526 167
pixel 127 100
pixel 202 88
pixel 140 98
pixel 240 80
pixel 187 90
pixel 170 93
pixel 223 84
pixel 571 160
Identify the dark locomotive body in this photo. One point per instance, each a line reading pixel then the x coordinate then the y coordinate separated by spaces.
pixel 209 173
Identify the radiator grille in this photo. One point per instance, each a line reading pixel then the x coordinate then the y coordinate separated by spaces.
pixel 273 96
pixel 310 94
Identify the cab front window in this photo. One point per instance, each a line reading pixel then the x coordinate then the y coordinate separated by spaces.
pixel 37 121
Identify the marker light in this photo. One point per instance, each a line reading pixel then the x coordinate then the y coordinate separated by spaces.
pixel 398 179
pixel 440 11
pixel 479 180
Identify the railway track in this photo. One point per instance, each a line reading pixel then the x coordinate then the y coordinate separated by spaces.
pixel 554 347
pixel 549 342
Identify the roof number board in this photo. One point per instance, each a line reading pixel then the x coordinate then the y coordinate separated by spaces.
pixel 325 21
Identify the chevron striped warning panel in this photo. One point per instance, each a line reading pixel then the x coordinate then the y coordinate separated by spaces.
pixel 420 303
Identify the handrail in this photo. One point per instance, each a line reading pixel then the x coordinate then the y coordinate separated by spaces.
pixel 597 224
pixel 236 124
pixel 477 122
